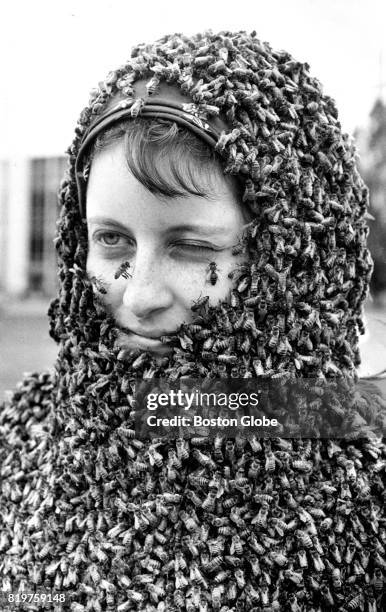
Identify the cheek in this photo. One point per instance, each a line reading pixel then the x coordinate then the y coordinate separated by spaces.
pixel 101 273
pixel 201 281
pixel 224 284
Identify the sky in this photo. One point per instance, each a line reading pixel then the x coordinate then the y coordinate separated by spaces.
pixel 52 53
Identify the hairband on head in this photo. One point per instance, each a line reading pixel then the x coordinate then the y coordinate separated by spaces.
pixel 186 115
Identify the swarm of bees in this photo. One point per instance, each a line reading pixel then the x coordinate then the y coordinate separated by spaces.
pixel 160 525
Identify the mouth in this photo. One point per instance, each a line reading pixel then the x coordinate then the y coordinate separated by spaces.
pixel 151 340
pixel 129 339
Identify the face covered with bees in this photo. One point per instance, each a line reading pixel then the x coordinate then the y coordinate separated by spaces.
pixel 245 256
pixel 156 249
pixel 213 220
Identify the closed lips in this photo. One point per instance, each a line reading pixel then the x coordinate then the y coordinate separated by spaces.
pixel 151 336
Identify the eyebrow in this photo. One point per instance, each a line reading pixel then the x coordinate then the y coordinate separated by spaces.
pixel 206 230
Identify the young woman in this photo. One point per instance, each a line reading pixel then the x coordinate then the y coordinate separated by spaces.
pixel 212 224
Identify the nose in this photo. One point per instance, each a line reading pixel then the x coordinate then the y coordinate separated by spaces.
pixel 147 291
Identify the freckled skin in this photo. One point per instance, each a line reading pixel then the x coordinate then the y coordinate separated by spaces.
pixel 167 271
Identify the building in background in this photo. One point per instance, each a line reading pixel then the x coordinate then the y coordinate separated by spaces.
pixel 28 213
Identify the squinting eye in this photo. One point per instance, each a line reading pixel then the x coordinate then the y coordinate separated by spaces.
pixel 195 248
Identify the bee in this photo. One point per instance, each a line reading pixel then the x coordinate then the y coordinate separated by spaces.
pixel 155 458
pixel 355 602
pixel 243 284
pixel 254 563
pixel 182 449
pixel 270 461
pixel 98 284
pixel 378 580
pixel 273 341
pixel 216 599
pixel 191 546
pixel 180 580
pixel 261 518
pixel 201 303
pixel 217 452
pixel 221 577
pixel 123 270
pixel 336 578
pixel 203 459
pixel 216 562
pixel 136 107
pixel 194 498
pixel 139 361
pixel 304 539
pixel 226 324
pixel 235 299
pixel 152 85
pixel 240 578
pixel 228 359
pixel 302 465
pixel 231 501
pixel 196 575
pixel 232 560
pixel 236 545
pixel 317 561
pixel 273 213
pixel 254 469
pixel 209 503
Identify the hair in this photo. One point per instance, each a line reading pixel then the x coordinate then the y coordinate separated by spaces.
pixel 192 163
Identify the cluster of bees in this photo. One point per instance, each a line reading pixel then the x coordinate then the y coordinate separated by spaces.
pixel 128 525
pixel 125 524
pixel 308 270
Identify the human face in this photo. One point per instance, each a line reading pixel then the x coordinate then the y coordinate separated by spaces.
pixel 169 243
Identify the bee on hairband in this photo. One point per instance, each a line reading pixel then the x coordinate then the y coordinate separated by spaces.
pixel 123 270
pixel 137 106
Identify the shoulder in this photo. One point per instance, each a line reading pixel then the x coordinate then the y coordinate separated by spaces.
pixel 379 383
pixel 373 346
pixel 376 386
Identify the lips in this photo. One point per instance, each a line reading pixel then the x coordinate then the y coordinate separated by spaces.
pixel 156 335
pixel 129 339
pixel 147 339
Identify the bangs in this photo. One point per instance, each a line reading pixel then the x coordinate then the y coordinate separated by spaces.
pixel 192 166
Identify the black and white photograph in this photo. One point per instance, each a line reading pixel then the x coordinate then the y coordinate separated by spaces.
pixel 193 306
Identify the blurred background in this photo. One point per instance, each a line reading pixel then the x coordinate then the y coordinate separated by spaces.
pixel 53 53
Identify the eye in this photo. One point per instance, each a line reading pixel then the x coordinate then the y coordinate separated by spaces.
pixel 110 239
pixel 194 248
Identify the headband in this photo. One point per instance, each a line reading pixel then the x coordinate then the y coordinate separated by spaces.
pixel 185 115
